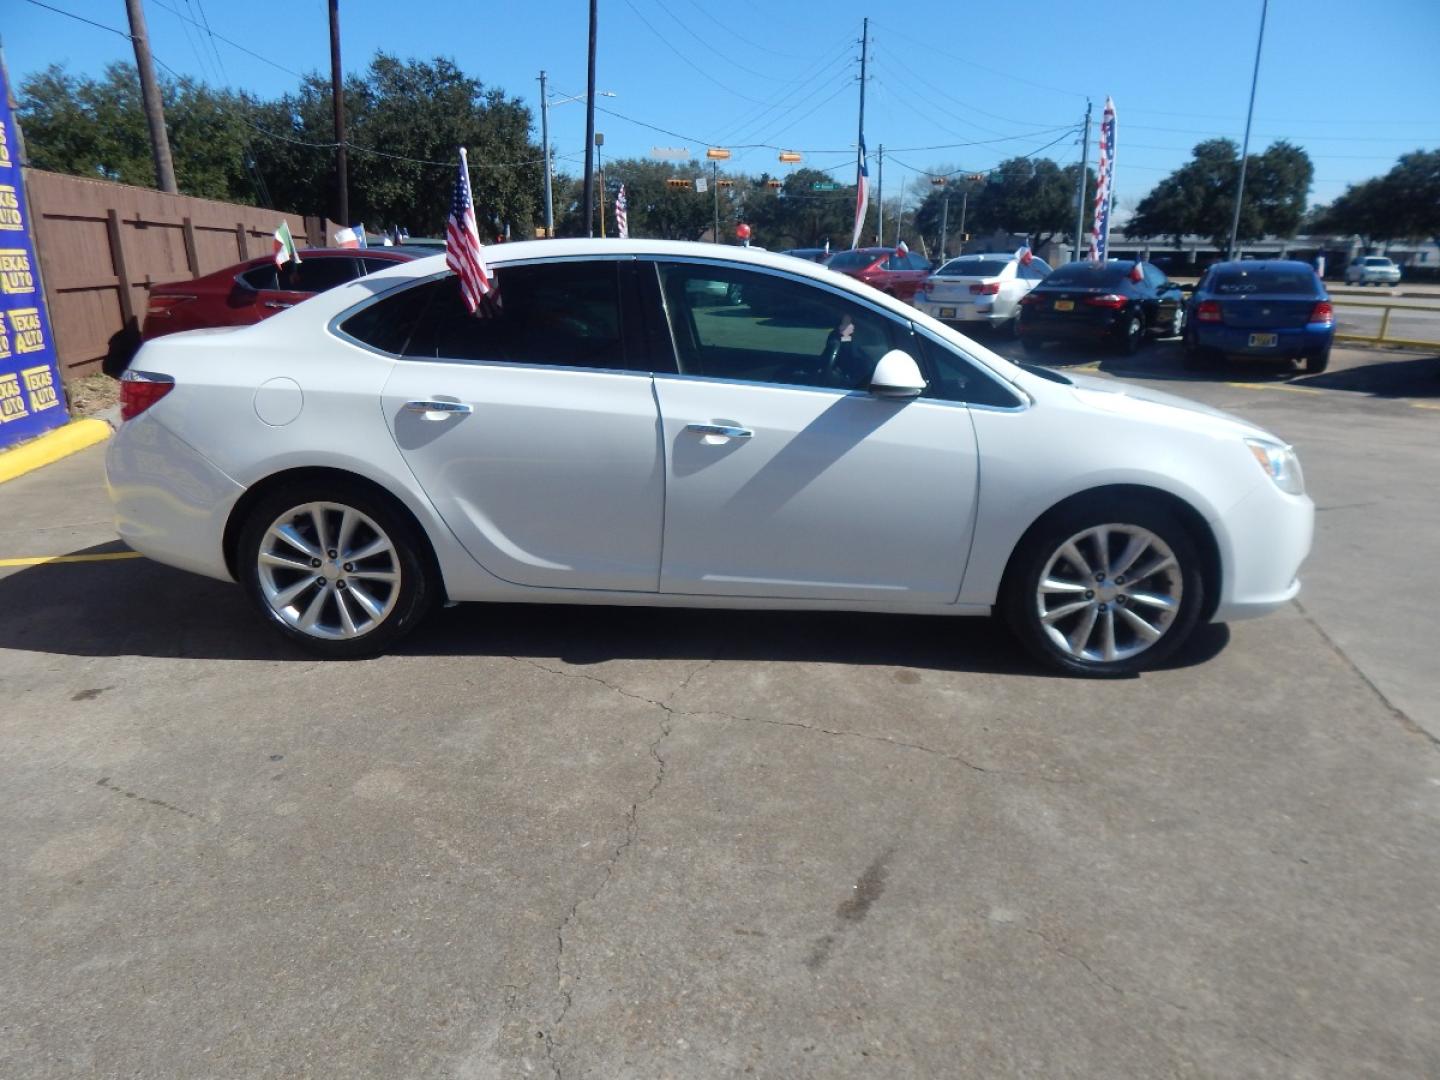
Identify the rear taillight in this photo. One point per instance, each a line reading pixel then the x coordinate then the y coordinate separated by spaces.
pixel 1114 301
pixel 1208 311
pixel 1031 300
pixel 164 304
pixel 985 288
pixel 1322 314
pixel 141 389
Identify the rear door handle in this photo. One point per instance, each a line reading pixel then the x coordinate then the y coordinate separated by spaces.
pixel 277 304
pixel 456 407
pixel 725 431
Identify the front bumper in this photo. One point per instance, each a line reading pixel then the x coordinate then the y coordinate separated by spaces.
pixel 1263 541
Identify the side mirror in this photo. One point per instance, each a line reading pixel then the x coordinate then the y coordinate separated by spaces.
pixel 897 376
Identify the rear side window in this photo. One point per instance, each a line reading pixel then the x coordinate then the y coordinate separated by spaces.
pixel 1269 282
pixel 1083 275
pixel 851 260
pixel 1377 262
pixel 561 314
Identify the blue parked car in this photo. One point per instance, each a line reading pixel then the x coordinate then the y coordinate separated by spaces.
pixel 1260 310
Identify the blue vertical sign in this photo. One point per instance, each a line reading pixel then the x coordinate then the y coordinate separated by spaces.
pixel 31 397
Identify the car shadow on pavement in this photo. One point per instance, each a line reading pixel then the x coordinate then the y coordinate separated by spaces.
pixel 1410 377
pixel 135 607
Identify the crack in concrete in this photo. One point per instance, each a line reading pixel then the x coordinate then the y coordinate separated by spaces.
pixel 632 818
pixel 632 830
pixel 1405 721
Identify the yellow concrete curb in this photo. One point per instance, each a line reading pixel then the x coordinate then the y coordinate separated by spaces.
pixel 52 446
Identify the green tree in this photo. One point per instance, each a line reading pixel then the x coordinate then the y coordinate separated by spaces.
pixel 656 209
pixel 1402 204
pixel 1199 197
pixel 797 215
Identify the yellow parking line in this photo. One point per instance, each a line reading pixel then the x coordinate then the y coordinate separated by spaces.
pixel 41 560
pixel 1425 405
pixel 1274 386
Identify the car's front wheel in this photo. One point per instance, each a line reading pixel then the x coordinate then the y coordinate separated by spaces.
pixel 1105 590
pixel 335 568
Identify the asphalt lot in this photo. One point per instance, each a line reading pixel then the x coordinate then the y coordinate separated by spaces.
pixel 616 843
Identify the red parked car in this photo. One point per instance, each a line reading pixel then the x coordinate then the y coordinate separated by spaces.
pixel 256 289
pixel 890 271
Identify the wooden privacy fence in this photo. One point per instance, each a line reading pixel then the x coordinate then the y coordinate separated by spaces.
pixel 102 245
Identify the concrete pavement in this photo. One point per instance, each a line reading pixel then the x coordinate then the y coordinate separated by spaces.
pixel 618 843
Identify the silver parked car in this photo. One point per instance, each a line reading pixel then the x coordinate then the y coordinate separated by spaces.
pixel 1372 270
pixel 980 289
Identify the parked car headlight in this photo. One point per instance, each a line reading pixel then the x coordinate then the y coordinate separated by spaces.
pixel 1280 464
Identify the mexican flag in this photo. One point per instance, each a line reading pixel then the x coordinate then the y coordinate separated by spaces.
pixel 285 245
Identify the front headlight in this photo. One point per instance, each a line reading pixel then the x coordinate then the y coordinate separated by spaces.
pixel 1280 464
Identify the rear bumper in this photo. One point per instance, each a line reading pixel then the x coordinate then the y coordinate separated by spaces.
pixel 1235 341
pixel 171 504
pixel 965 314
pixel 1080 329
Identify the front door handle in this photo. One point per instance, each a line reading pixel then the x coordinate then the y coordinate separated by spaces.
pixel 456 407
pixel 277 304
pixel 725 431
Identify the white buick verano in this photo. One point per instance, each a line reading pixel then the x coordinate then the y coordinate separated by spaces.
pixel 645 422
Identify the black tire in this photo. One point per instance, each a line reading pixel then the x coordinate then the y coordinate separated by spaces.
pixel 1316 362
pixel 1130 336
pixel 1019 603
pixel 413 595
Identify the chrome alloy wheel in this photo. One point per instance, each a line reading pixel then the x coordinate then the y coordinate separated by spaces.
pixel 1109 593
pixel 328 571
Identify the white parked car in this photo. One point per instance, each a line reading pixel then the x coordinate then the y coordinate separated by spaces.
pixel 1372 270
pixel 614 433
pixel 976 290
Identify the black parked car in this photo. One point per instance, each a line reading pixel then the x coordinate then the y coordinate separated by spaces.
pixel 1118 302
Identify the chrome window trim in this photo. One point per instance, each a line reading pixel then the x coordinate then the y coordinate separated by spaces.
pixel 333 326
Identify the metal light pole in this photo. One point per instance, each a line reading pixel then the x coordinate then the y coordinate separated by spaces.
pixel 964 206
pixel 545 143
pixel 880 194
pixel 590 127
pixel 1249 116
pixel 600 170
pixel 944 222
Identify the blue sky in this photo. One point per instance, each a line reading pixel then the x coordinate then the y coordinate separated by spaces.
pixel 1355 83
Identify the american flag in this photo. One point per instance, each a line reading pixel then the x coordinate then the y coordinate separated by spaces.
pixel 463 253
pixel 862 195
pixel 1105 177
pixel 622 215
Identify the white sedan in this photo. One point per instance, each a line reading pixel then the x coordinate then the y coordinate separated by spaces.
pixel 617 430
pixel 980 290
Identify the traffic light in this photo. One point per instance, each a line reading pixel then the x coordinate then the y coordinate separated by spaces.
pixel 725 183
pixel 938 181
pixel 774 185
pixel 678 182
pixel 977 177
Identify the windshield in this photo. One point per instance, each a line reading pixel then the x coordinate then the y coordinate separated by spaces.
pixel 1370 262
pixel 973 267
pixel 1084 275
pixel 852 260
pixel 1283 282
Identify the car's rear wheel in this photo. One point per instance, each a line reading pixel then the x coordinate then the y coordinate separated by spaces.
pixel 335 569
pixel 1105 590
pixel 1317 361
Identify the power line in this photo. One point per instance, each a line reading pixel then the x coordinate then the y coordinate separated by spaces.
pixel 929 47
pixel 1069 130
pixel 222 37
pixel 737 35
pixel 728 60
pixel 669 45
pixel 81 18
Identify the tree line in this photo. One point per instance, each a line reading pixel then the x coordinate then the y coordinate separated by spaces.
pixel 405 119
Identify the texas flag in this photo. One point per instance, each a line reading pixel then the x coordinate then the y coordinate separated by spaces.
pixel 902 248
pixel 1024 255
pixel 350 238
pixel 862 194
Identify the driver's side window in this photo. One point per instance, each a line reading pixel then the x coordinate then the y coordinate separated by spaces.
pixel 731 323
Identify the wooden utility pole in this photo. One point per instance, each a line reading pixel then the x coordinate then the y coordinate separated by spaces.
pixel 337 92
pixel 590 129
pixel 150 94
